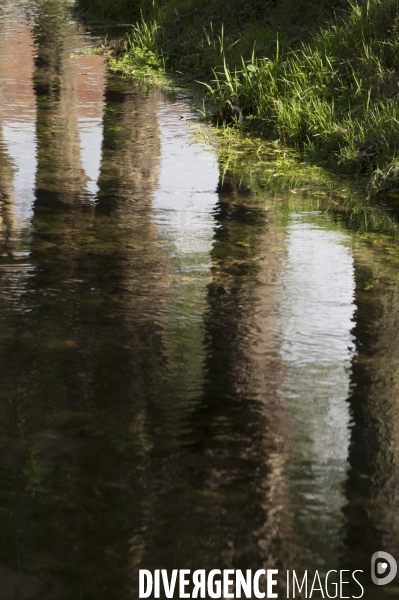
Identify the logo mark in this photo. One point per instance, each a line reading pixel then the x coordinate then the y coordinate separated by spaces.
pixel 385 561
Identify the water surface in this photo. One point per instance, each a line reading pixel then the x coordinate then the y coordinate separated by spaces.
pixel 193 375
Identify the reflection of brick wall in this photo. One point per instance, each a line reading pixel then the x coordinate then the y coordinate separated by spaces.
pixel 76 85
pixel 90 86
pixel 16 64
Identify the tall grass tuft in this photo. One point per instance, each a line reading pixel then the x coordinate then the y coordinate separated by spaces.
pixel 336 96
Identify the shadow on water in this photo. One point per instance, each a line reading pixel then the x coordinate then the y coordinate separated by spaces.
pixel 193 375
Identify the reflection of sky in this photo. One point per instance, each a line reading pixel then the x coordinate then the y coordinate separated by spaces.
pixel 187 194
pixel 91 135
pixel 90 86
pixel 317 310
pixel 20 138
pixel 183 208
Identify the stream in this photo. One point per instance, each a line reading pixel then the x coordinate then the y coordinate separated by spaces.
pixel 192 375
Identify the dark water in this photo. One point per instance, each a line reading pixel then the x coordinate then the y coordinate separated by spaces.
pixel 191 376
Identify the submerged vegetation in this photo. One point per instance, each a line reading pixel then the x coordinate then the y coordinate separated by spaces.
pixel 321 76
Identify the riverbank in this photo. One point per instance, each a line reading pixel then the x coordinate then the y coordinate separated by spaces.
pixel 321 77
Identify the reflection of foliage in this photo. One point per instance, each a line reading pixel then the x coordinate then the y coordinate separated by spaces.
pixel 281 178
pixel 282 181
pixel 87 239
pixel 38 472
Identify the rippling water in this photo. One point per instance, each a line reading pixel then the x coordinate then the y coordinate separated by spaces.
pixel 191 375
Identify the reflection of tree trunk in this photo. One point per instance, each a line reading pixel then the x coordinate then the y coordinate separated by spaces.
pixel 226 494
pixel 246 427
pixel 129 169
pixel 8 221
pixel 373 484
pixel 129 172
pixel 55 81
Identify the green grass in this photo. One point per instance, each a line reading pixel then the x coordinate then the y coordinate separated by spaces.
pixel 192 35
pixel 142 59
pixel 336 97
pixel 330 90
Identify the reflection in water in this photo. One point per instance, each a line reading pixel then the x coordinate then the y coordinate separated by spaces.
pixel 317 290
pixel 68 111
pixel 175 357
pixel 219 493
pixel 372 486
pixel 241 431
pixel 17 122
pixel 90 97
pixel 183 205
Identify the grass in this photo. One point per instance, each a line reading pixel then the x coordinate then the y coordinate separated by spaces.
pixel 142 57
pixel 330 90
pixel 193 35
pixel 335 97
